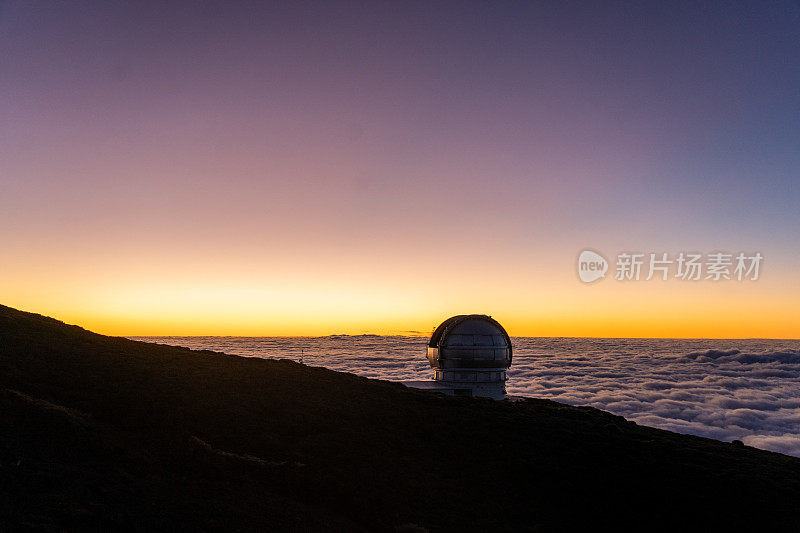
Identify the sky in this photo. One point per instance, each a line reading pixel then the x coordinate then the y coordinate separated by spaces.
pixel 313 168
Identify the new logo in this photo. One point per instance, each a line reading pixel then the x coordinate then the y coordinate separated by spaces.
pixel 591 266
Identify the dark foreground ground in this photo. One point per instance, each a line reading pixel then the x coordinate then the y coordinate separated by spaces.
pixel 103 432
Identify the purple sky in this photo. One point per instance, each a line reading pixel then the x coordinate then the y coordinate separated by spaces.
pixel 139 139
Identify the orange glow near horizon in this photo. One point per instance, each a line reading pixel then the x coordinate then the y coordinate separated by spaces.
pixel 136 301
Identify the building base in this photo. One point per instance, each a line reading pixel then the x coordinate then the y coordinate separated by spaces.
pixel 495 390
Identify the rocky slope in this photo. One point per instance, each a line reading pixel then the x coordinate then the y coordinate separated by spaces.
pixel 104 432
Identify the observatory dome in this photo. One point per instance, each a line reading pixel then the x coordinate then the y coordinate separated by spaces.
pixel 470 342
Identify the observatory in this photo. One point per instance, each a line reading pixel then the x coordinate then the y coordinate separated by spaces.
pixel 470 355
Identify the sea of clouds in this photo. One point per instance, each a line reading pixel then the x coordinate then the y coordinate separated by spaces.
pixel 733 389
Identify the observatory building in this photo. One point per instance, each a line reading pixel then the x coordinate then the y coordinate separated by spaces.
pixel 470 355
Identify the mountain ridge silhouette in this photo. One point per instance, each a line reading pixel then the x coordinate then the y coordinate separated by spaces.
pixel 102 432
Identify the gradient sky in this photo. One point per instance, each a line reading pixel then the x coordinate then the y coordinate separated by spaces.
pixel 338 167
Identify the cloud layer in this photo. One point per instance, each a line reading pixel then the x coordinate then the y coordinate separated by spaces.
pixel 738 389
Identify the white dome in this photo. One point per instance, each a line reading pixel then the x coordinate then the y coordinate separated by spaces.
pixel 470 341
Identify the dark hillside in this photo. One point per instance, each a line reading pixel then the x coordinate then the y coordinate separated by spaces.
pixel 103 432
